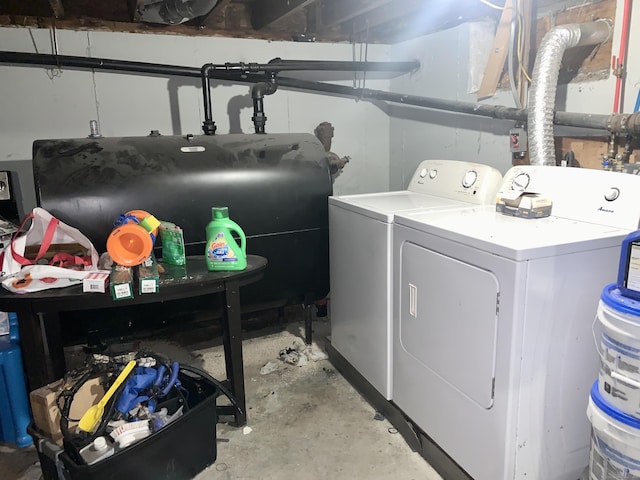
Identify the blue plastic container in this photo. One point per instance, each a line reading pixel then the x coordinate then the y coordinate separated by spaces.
pixel 14 401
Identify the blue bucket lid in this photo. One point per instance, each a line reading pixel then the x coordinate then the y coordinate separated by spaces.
pixel 612 296
pixel 610 410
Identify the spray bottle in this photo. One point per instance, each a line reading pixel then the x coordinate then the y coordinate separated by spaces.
pixel 222 252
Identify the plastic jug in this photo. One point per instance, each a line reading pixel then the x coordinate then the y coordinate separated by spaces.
pixel 222 251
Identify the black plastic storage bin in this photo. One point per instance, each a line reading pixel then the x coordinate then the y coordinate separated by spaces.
pixel 179 451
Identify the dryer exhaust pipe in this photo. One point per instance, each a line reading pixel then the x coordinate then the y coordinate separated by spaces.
pixel 542 95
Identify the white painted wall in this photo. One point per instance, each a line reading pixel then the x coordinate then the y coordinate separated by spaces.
pixel 446 59
pixel 39 103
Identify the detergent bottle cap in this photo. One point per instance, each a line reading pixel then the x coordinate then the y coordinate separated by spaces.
pixel 220 212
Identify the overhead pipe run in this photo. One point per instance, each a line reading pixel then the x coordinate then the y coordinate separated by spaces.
pixel 614 123
pixel 542 95
pixel 271 69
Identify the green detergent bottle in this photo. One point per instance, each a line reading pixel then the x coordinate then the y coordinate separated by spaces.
pixel 222 251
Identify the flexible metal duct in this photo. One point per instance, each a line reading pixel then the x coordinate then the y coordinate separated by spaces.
pixel 171 12
pixel 542 95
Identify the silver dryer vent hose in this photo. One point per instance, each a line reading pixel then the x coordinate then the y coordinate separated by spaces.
pixel 542 95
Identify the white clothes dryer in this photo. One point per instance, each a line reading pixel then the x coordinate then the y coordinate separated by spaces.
pixel 360 238
pixel 493 353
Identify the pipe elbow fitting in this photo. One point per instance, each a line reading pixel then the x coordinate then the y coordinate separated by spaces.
pixel 259 90
pixel 206 68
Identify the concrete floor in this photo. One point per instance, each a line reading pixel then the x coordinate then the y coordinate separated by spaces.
pixel 306 422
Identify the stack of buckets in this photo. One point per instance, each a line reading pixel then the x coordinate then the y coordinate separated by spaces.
pixel 614 402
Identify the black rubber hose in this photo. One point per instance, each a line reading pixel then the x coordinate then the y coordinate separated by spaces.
pixel 227 393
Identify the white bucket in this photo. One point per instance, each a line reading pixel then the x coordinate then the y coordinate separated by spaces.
pixel 615 441
pixel 619 345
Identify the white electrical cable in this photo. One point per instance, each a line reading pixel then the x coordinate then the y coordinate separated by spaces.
pixel 492 5
pixel 511 73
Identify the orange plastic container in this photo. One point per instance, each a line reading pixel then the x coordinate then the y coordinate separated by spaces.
pixel 141 215
pixel 129 244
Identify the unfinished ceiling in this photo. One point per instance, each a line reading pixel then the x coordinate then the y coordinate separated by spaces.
pixel 375 21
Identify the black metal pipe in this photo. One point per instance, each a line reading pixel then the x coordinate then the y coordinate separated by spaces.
pixel 208 126
pixel 70 61
pixel 258 92
pixel 278 65
pixel 494 111
pixel 275 66
pixel 615 123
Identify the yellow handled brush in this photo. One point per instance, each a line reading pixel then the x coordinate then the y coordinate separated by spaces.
pixel 92 416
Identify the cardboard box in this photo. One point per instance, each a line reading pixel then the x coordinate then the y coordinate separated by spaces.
pixel 121 282
pixel 96 282
pixel 75 249
pixel 148 275
pixel 46 415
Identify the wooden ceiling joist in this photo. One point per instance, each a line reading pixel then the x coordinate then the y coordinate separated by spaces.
pixel 335 12
pixel 266 12
pixel 386 13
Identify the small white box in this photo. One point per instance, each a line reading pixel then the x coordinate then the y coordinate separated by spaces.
pixel 523 204
pixel 96 282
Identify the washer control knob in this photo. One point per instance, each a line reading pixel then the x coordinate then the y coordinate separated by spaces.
pixel 433 173
pixel 423 173
pixel 469 178
pixel 520 182
pixel 612 194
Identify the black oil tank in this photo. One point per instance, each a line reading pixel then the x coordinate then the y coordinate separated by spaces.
pixel 275 185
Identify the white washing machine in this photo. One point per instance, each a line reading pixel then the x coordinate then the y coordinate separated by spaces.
pixel 493 353
pixel 360 256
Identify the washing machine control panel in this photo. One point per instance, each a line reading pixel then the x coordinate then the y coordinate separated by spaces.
pixel 464 181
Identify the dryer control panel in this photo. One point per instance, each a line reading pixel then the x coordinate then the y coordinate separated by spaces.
pixel 584 194
pixel 457 180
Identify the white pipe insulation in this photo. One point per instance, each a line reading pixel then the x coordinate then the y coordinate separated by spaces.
pixel 542 95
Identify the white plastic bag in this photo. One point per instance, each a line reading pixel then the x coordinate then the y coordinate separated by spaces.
pixel 33 278
pixel 19 273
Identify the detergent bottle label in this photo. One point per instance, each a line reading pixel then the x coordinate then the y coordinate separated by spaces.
pixel 219 249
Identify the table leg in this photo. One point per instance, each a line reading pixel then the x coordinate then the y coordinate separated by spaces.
pixel 232 341
pixel 53 337
pixel 33 348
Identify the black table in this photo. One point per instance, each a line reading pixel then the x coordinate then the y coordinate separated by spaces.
pixel 40 325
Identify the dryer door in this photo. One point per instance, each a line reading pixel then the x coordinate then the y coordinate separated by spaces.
pixel 448 320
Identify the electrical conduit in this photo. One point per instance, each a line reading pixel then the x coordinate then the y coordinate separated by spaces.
pixel 619 64
pixel 545 82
